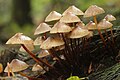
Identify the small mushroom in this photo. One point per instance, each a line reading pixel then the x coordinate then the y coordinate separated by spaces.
pixel 93 11
pixel 104 24
pixel 37 67
pixel 78 33
pixel 53 16
pixel 69 18
pixel 42 28
pixel 91 26
pixel 74 10
pixel 60 27
pixel 52 41
pixel 39 40
pixel 110 17
pixel 29 46
pixel 43 53
pixel 1 68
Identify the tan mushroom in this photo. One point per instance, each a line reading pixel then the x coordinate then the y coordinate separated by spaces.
pixel 53 16
pixel 1 68
pixel 110 17
pixel 69 18
pixel 52 41
pixel 37 67
pixel 104 24
pixel 19 38
pixel 92 11
pixel 39 40
pixel 43 53
pixel 29 46
pixel 91 26
pixel 60 27
pixel 42 28
pixel 74 10
pixel 78 33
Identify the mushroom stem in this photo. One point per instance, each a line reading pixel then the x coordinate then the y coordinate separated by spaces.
pixel 38 60
pixel 8 69
pixel 101 36
pixel 112 35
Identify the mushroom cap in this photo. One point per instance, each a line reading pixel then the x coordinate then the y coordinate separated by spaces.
pixel 1 68
pixel 37 67
pixel 17 65
pixel 74 10
pixel 60 48
pixel 81 25
pixel 53 16
pixel 110 17
pixel 104 24
pixel 43 53
pixel 52 41
pixel 19 38
pixel 42 28
pixel 28 46
pixel 60 27
pixel 69 18
pixel 91 26
pixel 90 34
pixel 39 40
pixel 78 33
pixel 93 10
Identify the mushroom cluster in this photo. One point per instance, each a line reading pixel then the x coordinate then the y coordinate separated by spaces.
pixel 67 43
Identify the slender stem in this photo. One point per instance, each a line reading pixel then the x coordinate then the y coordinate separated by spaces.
pixel 8 69
pixel 101 36
pixel 38 60
pixel 112 35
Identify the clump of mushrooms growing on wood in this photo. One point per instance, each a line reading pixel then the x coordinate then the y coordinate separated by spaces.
pixel 67 42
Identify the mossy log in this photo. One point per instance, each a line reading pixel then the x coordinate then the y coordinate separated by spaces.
pixel 112 73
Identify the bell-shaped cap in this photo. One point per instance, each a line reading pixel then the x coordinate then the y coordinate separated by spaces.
pixel 53 16
pixel 93 10
pixel 17 65
pixel 110 17
pixel 90 34
pixel 81 24
pixel 19 38
pixel 39 40
pixel 52 41
pixel 42 28
pixel 43 53
pixel 91 26
pixel 78 33
pixel 69 18
pixel 60 27
pixel 30 47
pixel 37 67
pixel 104 24
pixel 73 10
pixel 1 68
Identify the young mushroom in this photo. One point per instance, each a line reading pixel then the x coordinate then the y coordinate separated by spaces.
pixel 73 10
pixel 1 68
pixel 39 40
pixel 29 46
pixel 16 66
pixel 53 16
pixel 93 11
pixel 37 67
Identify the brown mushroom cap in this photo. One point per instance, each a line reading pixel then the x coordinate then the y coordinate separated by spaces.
pixel 19 38
pixel 74 10
pixel 52 41
pixel 30 47
pixel 69 18
pixel 1 68
pixel 43 53
pixel 17 65
pixel 78 33
pixel 110 17
pixel 39 40
pixel 42 28
pixel 104 24
pixel 53 16
pixel 90 34
pixel 60 27
pixel 37 67
pixel 91 26
pixel 93 10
